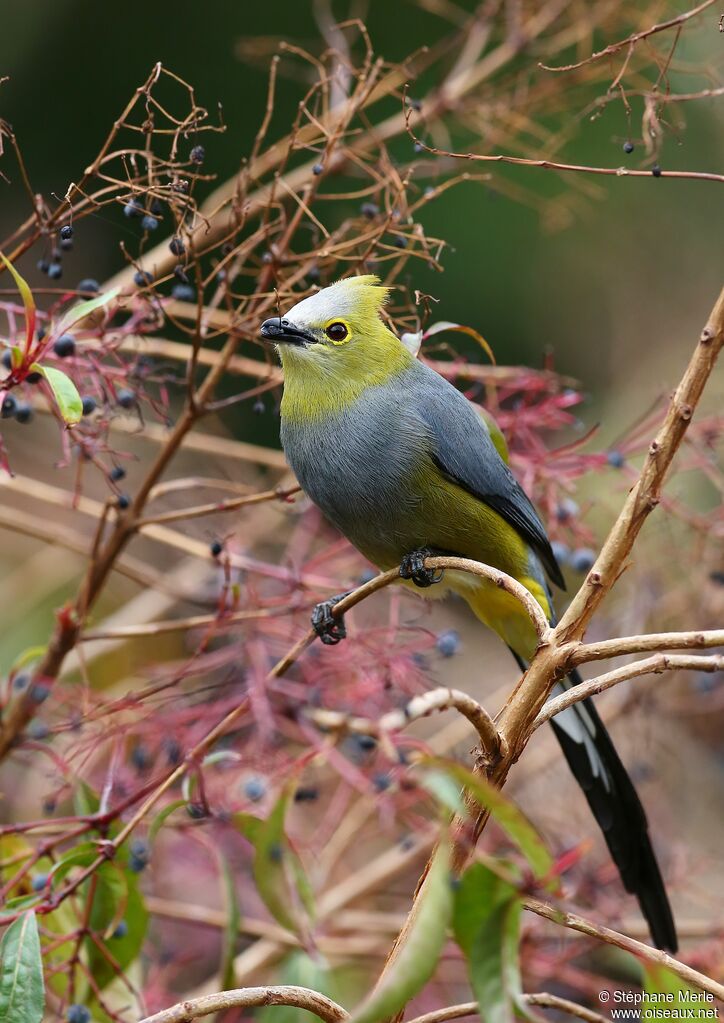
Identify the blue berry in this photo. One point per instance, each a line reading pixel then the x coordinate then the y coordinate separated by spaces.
pixel 90 285
pixel 258 407
pixel 89 405
pixel 149 223
pixel 179 272
pixel 399 241
pixel 38 730
pixel 314 274
pixel 66 232
pixel 77 1014
pixel 139 855
pixel 7 359
pixel 583 559
pixel 40 692
pixel 156 207
pixel 216 547
pixel 133 208
pixel 255 789
pixel 183 293
pixel 141 278
pixel 126 398
pixel 32 378
pixel 55 271
pixel 628 147
pixel 23 412
pixel 140 757
pixel 561 551
pixel 64 346
pixel 124 501
pixel 121 930
pixel 177 246
pixel 318 169
pixel 448 642
pixel 197 154
pixel 173 751
pixel 418 147
pixel 306 794
pixel 615 459
pixel 39 882
pixel 65 244
pixel 567 509
pixel 366 742
pixel 9 405
pixel 381 782
pixel 369 210
pixel 196 811
pixel 43 265
pixel 20 682
pixel 117 473
pixel 656 170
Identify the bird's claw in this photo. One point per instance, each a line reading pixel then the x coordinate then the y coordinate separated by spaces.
pixel 413 567
pixel 329 627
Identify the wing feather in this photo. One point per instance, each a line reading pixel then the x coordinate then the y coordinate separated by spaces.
pixel 464 452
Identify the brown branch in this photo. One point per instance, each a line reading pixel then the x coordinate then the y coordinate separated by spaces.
pixel 418 707
pixel 649 666
pixel 542 999
pixel 637 948
pixel 585 652
pixel 252 997
pixel 636 37
pixel 515 723
pixel 577 168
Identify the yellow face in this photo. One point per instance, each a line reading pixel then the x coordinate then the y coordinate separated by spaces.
pixel 333 345
pixel 346 313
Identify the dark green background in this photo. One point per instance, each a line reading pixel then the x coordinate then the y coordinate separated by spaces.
pixel 615 293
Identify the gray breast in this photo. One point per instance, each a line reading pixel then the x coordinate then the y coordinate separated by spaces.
pixel 356 465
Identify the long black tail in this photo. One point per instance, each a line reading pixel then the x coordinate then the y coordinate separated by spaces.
pixel 597 768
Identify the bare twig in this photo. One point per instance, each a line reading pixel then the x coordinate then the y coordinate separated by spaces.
pixel 649 666
pixel 638 948
pixel 251 997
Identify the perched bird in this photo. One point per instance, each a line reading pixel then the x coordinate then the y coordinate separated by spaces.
pixel 402 464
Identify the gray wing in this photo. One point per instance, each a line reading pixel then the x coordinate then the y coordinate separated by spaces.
pixel 465 454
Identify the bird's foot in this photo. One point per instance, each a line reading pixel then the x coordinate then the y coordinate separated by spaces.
pixel 329 627
pixel 412 567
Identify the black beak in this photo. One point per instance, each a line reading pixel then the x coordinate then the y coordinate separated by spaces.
pixel 280 331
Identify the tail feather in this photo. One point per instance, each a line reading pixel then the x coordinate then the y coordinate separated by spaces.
pixel 615 804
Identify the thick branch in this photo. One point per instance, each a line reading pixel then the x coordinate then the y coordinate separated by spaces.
pixel 638 948
pixel 252 997
pixel 418 707
pixel 649 666
pixel 659 641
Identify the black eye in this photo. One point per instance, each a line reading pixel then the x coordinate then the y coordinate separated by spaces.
pixel 336 332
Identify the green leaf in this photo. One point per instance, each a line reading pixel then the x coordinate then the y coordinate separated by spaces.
pixel 414 961
pixel 81 856
pixel 116 898
pixel 486 923
pixel 300 969
pixel 277 870
pixel 28 301
pixel 64 391
pixel 86 801
pixel 662 986
pixel 83 309
pixel 32 653
pixel 22 992
pixel 231 929
pixel 507 815
pixel 161 817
